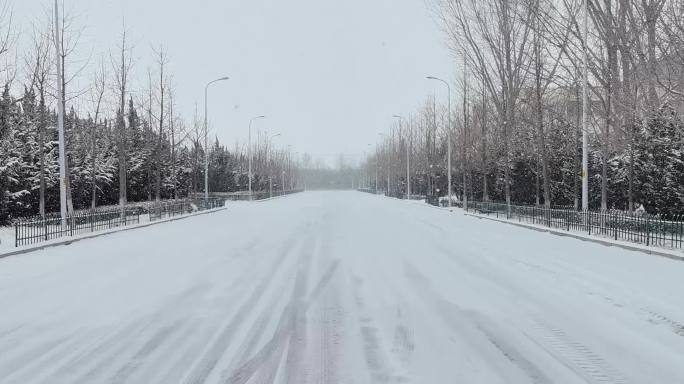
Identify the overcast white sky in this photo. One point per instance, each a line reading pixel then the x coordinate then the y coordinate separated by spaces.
pixel 329 74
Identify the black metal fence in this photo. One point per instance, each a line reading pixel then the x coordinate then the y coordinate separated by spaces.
pixel 166 209
pixel 443 201
pixel 34 230
pixel 171 208
pixel 38 229
pixel 267 195
pixel 432 200
pixel 429 199
pixel 245 196
pixel 369 190
pixel 618 225
pixel 395 194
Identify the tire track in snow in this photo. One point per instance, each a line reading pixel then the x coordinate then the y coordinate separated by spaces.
pixel 211 356
pixel 15 365
pixel 80 359
pixel 102 350
pixel 265 360
pixel 295 372
pixel 574 355
pixel 158 367
pixel 187 347
pixel 151 345
pixel 109 353
pixel 254 334
pixel 509 350
pixel 657 318
pixel 453 316
pixel 28 372
pixel 330 337
pixel 588 364
pixel 183 354
pixel 289 339
pixel 325 329
pixel 11 332
pixel 376 359
pixel 403 344
pixel 264 363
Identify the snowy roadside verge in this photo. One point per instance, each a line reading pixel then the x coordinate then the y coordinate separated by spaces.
pixel 72 239
pixel 658 251
pixel 274 197
pixel 663 252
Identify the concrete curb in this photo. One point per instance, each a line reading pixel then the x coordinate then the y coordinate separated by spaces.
pixel 273 198
pixel 69 240
pixel 261 200
pixel 605 242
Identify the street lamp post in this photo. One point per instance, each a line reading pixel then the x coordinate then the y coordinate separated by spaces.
pixel 377 160
pixel 448 134
pixel 268 165
pixel 249 153
pixel 287 164
pixel 282 182
pixel 389 160
pixel 408 157
pixel 63 181
pixel 206 129
pixel 294 172
pixel 585 105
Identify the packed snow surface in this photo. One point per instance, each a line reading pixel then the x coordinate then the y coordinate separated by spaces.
pixel 339 287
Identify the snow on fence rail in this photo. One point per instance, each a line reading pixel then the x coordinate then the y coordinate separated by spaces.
pixel 245 196
pixel 430 199
pixel 38 229
pixel 180 207
pixel 618 225
pixel 267 195
pixel 396 194
pixel 368 190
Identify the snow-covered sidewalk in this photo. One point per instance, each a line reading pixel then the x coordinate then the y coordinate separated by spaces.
pixel 340 287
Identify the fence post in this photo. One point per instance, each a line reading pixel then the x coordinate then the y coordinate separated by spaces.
pixel 16 234
pixel 648 231
pixel 588 220
pixel 680 225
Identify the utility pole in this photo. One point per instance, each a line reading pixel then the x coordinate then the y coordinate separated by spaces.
pixel 376 168
pixel 408 163
pixel 206 130
pixel 408 156
pixel 63 182
pixel 448 134
pixel 465 137
pixel 585 139
pixel 389 160
pixel 268 165
pixel 249 153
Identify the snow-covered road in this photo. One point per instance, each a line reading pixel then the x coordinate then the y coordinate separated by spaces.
pixel 340 287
